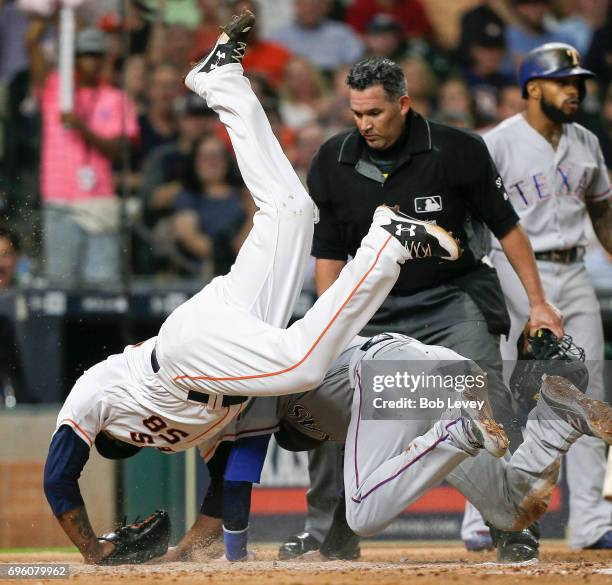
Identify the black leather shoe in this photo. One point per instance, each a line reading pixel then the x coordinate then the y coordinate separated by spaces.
pixel 297 545
pixel 516 547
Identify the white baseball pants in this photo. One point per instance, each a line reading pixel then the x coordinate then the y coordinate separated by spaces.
pixel 228 338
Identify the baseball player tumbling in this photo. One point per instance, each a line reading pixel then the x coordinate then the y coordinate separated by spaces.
pixel 555 176
pixel 227 343
pixel 390 463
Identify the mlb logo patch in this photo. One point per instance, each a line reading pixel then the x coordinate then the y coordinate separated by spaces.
pixel 428 204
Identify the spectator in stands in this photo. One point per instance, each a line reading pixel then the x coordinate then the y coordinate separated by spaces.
pixel 81 213
pixel 384 37
pixel 326 43
pixel 213 14
pixel 263 57
pixel 336 113
pixel 422 84
pixel 173 44
pixel 212 217
pixel 509 102
pixel 302 93
pixel 530 31
pixel 491 16
pixel 581 19
pixel 455 102
pixel 10 249
pixel 410 13
pixel 599 57
pixel 13 26
pixel 486 49
pixel 135 81
pixel 163 173
pixel 158 124
pixel 307 142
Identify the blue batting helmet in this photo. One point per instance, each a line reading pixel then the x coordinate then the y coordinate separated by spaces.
pixel 551 60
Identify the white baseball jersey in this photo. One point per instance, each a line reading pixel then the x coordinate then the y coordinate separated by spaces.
pixel 548 188
pixel 123 397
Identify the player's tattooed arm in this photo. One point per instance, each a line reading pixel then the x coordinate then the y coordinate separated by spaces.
pixel 78 528
pixel 601 216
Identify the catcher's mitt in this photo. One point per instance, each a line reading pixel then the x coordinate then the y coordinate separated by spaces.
pixel 542 354
pixel 139 542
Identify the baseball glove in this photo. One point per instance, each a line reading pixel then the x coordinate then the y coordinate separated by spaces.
pixel 139 542
pixel 542 354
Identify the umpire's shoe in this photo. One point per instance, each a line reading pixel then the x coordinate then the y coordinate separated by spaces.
pixel 582 413
pixel 229 48
pixel 422 239
pixel 516 547
pixel 297 545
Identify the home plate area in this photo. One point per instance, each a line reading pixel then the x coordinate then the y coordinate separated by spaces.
pixel 408 563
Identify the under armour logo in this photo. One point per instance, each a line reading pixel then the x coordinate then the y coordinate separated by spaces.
pixel 220 55
pixel 399 230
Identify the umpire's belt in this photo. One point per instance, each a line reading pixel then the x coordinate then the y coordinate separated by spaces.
pixel 201 396
pixel 562 256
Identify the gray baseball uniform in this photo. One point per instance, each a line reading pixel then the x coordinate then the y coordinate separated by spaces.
pixel 549 190
pixel 390 463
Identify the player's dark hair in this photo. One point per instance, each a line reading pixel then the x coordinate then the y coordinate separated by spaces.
pixel 12 237
pixel 378 71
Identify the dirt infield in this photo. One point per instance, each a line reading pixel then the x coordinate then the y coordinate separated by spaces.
pixel 421 564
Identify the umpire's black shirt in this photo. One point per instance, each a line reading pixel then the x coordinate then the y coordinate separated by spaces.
pixel 437 173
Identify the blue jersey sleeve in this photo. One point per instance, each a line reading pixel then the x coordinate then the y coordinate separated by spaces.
pixel 68 454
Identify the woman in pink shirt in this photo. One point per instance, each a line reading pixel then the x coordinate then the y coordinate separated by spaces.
pixel 80 208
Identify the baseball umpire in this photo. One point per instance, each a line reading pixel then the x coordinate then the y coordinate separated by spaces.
pixel 555 175
pixel 229 342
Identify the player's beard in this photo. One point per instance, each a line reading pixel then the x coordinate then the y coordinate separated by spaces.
pixel 555 114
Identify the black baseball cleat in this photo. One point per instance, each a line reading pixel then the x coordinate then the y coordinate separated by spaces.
pixel 297 545
pixel 341 543
pixel 516 547
pixel 421 239
pixel 586 415
pixel 229 48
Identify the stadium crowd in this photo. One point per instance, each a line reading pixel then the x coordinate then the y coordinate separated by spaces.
pixel 140 177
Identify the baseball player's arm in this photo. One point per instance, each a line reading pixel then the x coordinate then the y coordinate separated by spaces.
pixel 67 456
pixel 600 213
pixel 543 314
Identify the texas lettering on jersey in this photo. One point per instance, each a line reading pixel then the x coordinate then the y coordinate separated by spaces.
pixel 569 181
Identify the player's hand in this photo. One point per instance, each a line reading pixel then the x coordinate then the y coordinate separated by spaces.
pixel 545 315
pixel 71 121
pixel 99 552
